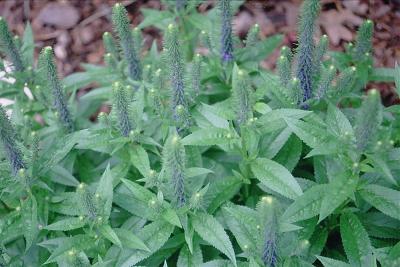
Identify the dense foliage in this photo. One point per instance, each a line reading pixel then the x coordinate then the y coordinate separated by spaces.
pixel 205 160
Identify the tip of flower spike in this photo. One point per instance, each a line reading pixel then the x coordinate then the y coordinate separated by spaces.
pixel 118 5
pixel 203 32
pixel 106 34
pixel 147 66
pixel 331 67
pixel 171 27
pixel 240 73
pixel 267 199
pixel 81 186
pixel 368 21
pixel 256 25
pixel 373 92
pixel 175 140
pixel 116 84
pixel 48 49
pixel 353 68
pixel 21 172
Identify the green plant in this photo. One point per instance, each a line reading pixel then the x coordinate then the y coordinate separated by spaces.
pixel 204 160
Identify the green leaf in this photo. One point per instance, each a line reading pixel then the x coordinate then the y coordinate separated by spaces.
pixel 196 171
pixel 261 50
pixel 211 231
pixel 140 160
pixel 130 240
pixel 110 234
pixel 62 176
pixel 222 190
pixel 355 240
pixel 337 191
pixel 397 78
pixel 105 191
pixel 77 242
pixel 187 259
pixel 30 220
pixel 309 132
pixel 28 45
pixel 154 235
pixel 209 137
pixel 305 206
pixel 276 177
pixel 382 198
pixel 337 122
pixel 66 224
pixel 242 222
pixel 328 262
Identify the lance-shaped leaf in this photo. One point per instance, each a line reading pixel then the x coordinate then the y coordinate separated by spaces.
pixel 355 240
pixel 276 177
pixel 382 198
pixel 211 231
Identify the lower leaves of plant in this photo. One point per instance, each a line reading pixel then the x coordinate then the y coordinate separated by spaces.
pixel 206 159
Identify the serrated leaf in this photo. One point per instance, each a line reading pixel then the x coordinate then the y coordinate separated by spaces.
pixel 328 262
pixel 109 233
pixel 337 122
pixel 310 133
pixel 355 240
pixel 140 160
pixel 337 191
pixel 305 206
pixel 276 177
pixel 222 190
pixel 154 235
pixel 242 222
pixel 187 259
pixel 397 78
pixel 66 224
pixel 196 171
pixel 382 198
pixel 105 191
pixel 211 231
pixel 30 220
pixel 78 242
pixel 209 137
pixel 130 240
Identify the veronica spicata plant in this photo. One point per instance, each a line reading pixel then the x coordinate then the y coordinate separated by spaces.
pixel 205 158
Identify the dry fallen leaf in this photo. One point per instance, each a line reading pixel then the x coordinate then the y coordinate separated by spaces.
pixel 334 22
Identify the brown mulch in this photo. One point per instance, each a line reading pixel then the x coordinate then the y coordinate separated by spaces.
pixel 74 28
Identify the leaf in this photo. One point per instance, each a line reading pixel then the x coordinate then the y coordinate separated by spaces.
pixel 66 224
pixel 355 240
pixel 276 177
pixel 30 220
pixel 28 45
pixel 337 191
pixel 242 222
pixel 78 242
pixel 209 137
pixel 290 153
pixel 310 133
pixel 305 206
pixel 222 190
pixel 62 176
pixel 382 198
pixel 397 78
pixel 140 160
pixel 105 191
pixel 196 171
pixel 261 50
pixel 110 234
pixel 328 262
pixel 187 259
pixel 130 240
pixel 154 235
pixel 211 231
pixel 337 122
